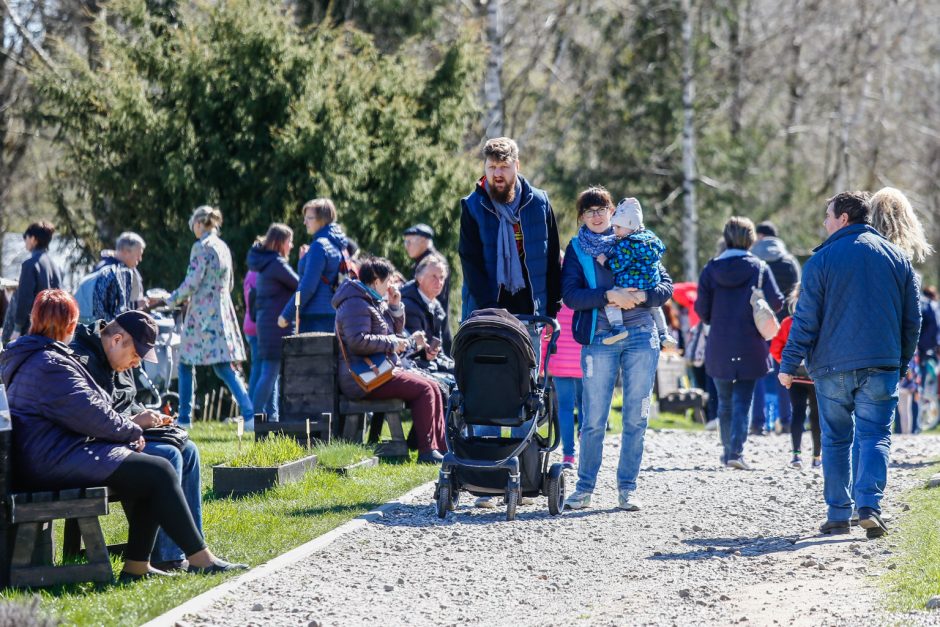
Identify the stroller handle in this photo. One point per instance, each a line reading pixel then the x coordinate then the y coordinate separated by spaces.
pixel 552 342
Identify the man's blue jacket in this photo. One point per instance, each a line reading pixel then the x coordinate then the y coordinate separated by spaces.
pixel 479 225
pixel 858 307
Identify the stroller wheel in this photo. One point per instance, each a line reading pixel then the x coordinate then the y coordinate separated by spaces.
pixel 556 490
pixel 512 500
pixel 445 502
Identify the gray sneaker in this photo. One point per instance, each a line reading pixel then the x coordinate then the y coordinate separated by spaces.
pixel 485 502
pixel 627 500
pixel 740 464
pixel 616 337
pixel 578 500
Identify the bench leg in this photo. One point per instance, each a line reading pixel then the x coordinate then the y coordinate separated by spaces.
pixel 375 427
pixel 71 540
pixel 353 427
pixel 95 548
pixel 397 447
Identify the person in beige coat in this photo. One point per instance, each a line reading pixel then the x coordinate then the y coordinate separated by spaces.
pixel 211 335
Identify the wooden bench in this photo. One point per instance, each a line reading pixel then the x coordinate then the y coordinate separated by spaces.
pixel 26 521
pixel 310 388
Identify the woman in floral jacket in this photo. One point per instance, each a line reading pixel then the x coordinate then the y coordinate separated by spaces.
pixel 210 331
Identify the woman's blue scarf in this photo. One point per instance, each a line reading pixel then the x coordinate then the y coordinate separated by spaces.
pixel 595 244
pixel 378 297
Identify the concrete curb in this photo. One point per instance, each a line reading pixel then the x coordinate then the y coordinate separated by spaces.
pixel 207 598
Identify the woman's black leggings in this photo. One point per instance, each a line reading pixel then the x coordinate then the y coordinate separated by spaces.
pixel 801 396
pixel 152 498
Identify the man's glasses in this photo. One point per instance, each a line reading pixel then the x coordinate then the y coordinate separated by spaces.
pixel 595 212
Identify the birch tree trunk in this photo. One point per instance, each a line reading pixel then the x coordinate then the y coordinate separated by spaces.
pixel 492 85
pixel 689 215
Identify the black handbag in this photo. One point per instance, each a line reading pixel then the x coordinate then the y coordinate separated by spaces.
pixel 168 434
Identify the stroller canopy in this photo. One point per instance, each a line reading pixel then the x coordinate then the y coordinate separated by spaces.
pixel 493 365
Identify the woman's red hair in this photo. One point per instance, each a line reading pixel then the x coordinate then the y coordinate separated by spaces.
pixel 55 314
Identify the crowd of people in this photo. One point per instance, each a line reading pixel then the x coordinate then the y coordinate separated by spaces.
pixel 837 342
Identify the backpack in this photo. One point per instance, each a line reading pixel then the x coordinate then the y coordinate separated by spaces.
pixel 764 317
pixel 85 295
pixel 345 272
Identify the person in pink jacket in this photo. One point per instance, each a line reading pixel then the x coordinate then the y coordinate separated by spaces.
pixel 565 368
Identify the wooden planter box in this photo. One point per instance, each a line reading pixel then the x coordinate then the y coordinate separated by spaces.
pixel 228 481
pixel 368 462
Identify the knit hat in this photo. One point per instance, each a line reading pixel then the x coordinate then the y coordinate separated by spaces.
pixel 628 214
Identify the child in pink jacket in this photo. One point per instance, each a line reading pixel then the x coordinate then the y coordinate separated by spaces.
pixel 565 368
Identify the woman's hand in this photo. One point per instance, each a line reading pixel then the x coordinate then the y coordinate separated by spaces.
pixel 621 298
pixel 401 345
pixel 303 250
pixel 139 444
pixel 394 296
pixel 282 322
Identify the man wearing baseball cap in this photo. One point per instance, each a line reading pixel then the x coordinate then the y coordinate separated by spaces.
pixel 419 244
pixel 109 351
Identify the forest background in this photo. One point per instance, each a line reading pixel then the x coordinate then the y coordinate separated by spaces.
pixel 126 114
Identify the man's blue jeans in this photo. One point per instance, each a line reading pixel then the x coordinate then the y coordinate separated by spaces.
pixel 770 387
pixel 635 357
pixel 186 465
pixel 734 401
pixel 569 393
pixel 266 390
pixel 856 408
pixel 232 381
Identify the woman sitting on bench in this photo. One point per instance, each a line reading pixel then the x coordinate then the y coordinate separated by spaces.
pixel 369 317
pixel 66 435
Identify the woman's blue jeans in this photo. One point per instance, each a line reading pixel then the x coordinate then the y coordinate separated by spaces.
pixel 232 381
pixel 186 465
pixel 266 391
pixel 734 404
pixel 255 369
pixel 569 392
pixel 635 357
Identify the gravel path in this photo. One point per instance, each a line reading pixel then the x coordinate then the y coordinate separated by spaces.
pixel 711 546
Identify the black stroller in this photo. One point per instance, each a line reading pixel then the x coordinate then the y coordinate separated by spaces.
pixel 499 385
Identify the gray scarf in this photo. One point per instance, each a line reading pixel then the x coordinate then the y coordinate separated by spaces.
pixel 508 267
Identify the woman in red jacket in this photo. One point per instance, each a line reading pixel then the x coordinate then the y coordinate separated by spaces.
pixel 802 393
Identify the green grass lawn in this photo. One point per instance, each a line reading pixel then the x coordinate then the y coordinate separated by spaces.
pixel 254 530
pixel 916 566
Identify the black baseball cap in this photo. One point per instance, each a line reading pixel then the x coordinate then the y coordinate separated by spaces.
pixel 143 330
pixel 420 229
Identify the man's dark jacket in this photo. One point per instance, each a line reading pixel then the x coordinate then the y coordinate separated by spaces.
pixel 422 316
pixel 479 227
pixel 276 285
pixel 859 306
pixel 37 273
pixel 443 298
pixel 89 351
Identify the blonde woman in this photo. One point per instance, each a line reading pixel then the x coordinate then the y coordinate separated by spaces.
pixel 894 217
pixel 211 335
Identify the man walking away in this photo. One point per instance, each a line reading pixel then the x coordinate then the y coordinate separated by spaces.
pixel 856 325
pixel 786 270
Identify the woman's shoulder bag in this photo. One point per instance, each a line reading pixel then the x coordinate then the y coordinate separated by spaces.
pixel 368 372
pixel 764 317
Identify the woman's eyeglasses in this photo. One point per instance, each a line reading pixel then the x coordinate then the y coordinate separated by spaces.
pixel 595 212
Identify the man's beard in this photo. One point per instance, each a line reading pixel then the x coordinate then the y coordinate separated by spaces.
pixel 507 195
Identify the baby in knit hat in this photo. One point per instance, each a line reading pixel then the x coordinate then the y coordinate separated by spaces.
pixel 634 260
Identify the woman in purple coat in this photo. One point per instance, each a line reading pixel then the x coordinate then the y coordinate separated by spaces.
pixel 369 319
pixel 276 284
pixel 66 435
pixel 736 355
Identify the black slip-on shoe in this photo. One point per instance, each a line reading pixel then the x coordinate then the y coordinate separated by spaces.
pixel 219 566
pixel 835 527
pixel 431 457
pixel 171 565
pixel 126 577
pixel 871 522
